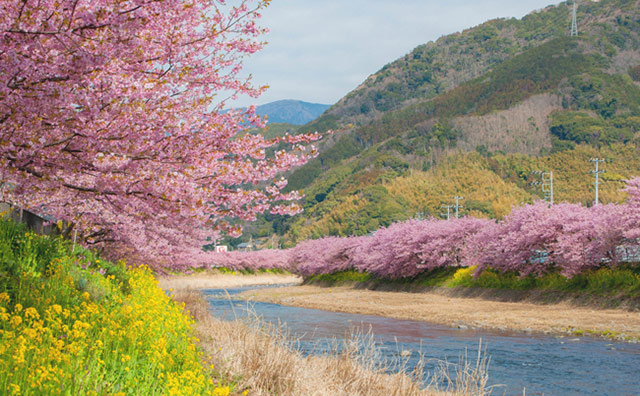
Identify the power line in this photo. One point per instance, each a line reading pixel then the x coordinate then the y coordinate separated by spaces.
pixel 597 172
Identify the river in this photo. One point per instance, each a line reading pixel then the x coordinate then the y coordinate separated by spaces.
pixel 542 365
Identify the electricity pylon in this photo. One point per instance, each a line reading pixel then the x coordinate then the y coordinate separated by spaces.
pixel 574 20
pixel 546 181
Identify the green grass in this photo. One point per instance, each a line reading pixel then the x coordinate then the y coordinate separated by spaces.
pixel 341 277
pixel 74 324
pixel 229 271
pixel 624 280
pixel 621 281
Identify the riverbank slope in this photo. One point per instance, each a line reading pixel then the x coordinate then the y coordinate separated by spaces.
pixel 442 306
pixel 72 323
pixel 255 356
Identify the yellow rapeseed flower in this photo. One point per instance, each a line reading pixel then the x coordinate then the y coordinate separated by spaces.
pixel 16 321
pixel 4 316
pixel 31 313
pixel 43 351
pixel 30 333
pixel 14 389
pixel 224 391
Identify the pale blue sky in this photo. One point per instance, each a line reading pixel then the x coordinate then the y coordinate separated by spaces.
pixel 319 50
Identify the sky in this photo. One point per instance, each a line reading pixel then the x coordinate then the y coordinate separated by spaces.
pixel 320 50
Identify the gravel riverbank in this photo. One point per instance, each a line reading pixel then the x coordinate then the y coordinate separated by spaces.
pixel 435 307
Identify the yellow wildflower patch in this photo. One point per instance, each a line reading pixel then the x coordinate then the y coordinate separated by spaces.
pixel 135 343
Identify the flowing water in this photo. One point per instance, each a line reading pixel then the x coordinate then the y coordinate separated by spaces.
pixel 542 365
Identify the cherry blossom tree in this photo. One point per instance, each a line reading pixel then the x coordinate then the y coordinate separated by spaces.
pixel 325 255
pixel 524 240
pixel 409 248
pixel 268 259
pixel 632 213
pixel 533 240
pixel 537 239
pixel 110 119
pixel 592 240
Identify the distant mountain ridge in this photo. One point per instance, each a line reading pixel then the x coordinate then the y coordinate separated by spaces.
pixel 290 111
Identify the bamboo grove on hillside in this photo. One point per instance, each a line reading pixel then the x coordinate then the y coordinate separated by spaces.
pixel 534 240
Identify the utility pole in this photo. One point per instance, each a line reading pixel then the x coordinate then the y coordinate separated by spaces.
pixel 550 187
pixel 597 172
pixel 546 181
pixel 75 237
pixel 574 20
pixel 458 206
pixel 448 207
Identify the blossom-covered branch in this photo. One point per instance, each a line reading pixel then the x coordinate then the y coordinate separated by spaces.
pixel 111 118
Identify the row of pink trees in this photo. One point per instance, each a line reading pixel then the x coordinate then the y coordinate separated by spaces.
pixel 533 240
pixel 110 119
pixel 270 259
pixel 402 250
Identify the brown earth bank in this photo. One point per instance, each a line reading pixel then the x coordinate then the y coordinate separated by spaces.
pixel 451 307
pixel 219 280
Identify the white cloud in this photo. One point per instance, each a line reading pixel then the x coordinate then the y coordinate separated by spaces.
pixel 318 51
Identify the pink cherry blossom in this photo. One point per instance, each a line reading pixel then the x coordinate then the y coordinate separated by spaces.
pixel 110 115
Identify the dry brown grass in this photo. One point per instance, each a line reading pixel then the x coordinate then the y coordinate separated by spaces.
pixel 257 359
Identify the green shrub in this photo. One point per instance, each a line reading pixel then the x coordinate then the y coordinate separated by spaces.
pixel 69 325
pixel 623 281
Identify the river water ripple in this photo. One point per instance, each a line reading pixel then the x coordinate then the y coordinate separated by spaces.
pixel 542 365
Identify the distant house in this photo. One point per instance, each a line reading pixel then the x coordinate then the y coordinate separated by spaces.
pixel 246 247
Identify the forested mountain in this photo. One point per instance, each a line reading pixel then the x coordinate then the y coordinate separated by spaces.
pixel 472 114
pixel 290 111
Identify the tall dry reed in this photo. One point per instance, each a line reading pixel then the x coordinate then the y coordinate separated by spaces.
pixel 258 359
